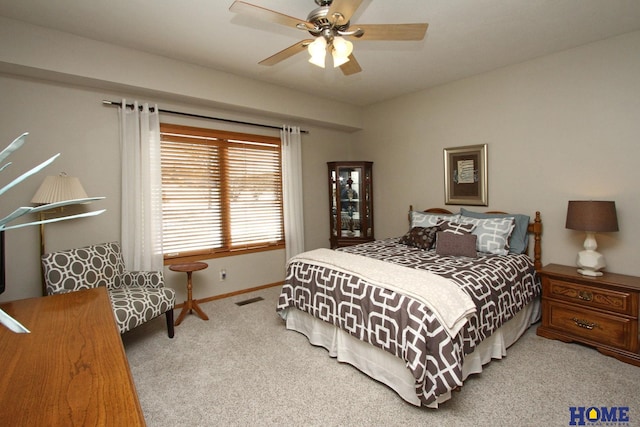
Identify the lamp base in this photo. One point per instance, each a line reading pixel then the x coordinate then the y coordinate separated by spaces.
pixel 591 273
pixel 590 262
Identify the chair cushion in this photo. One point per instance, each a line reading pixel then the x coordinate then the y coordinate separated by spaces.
pixel 135 305
pixel 148 279
pixel 83 268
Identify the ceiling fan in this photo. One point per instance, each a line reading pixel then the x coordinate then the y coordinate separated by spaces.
pixel 329 24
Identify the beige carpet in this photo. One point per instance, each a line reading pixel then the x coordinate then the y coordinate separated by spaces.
pixel 242 368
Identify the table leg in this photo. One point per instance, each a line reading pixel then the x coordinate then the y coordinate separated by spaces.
pixel 190 304
pixel 199 311
pixel 183 313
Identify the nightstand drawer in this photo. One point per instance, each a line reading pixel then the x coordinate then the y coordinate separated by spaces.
pixel 590 296
pixel 591 325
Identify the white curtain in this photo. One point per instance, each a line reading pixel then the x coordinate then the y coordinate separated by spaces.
pixel 141 234
pixel 292 190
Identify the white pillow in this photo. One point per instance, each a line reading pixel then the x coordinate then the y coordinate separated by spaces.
pixel 425 219
pixel 493 233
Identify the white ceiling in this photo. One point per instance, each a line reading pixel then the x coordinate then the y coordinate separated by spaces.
pixel 465 37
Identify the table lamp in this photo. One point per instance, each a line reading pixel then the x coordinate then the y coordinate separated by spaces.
pixel 591 217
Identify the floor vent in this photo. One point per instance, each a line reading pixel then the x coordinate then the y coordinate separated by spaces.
pixel 249 301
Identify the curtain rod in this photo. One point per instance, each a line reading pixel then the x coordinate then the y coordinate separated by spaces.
pixel 179 113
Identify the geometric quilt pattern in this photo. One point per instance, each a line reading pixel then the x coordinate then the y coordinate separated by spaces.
pixel 499 286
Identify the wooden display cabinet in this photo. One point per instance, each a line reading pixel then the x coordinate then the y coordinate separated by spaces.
pixel 350 203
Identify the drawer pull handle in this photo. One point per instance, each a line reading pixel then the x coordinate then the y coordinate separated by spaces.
pixel 585 296
pixel 584 323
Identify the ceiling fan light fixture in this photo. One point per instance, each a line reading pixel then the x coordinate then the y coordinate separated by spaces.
pixel 338 60
pixel 328 25
pixel 318 51
pixel 341 50
pixel 318 60
pixel 342 47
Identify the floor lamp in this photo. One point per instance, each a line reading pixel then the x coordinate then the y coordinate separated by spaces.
pixel 56 189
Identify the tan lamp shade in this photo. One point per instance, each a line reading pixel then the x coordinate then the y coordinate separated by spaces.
pixel 59 188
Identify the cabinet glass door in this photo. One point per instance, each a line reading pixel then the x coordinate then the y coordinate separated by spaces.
pixel 350 189
pixel 351 204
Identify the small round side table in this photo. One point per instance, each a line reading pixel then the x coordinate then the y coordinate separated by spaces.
pixel 190 305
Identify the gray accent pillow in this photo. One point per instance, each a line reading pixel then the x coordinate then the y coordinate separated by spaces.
pixel 519 239
pixel 450 244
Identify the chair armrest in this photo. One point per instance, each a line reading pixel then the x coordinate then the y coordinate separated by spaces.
pixel 148 279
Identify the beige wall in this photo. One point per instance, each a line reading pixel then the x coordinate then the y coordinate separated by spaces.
pixel 40 52
pixel 558 128
pixel 52 86
pixel 72 120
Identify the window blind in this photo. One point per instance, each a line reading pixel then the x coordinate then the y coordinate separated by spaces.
pixel 222 192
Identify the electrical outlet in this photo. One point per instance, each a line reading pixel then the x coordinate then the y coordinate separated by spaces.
pixel 223 274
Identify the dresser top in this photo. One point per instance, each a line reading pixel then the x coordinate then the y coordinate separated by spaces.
pixel 613 279
pixel 71 369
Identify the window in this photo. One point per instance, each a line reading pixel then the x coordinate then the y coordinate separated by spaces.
pixel 221 192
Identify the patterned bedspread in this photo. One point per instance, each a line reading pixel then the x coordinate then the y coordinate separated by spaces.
pixel 500 286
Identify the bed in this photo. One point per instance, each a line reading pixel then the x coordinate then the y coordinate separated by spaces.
pixel 418 312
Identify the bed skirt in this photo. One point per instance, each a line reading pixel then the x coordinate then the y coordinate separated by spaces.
pixel 391 370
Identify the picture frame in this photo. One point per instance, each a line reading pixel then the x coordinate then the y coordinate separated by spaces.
pixel 465 175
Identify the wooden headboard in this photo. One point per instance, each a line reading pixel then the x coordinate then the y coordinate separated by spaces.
pixel 535 228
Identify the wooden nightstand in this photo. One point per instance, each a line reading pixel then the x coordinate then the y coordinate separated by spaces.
pixel 598 311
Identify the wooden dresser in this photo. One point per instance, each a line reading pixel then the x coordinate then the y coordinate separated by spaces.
pixel 71 370
pixel 598 311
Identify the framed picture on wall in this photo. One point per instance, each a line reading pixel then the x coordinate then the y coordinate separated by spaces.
pixel 465 175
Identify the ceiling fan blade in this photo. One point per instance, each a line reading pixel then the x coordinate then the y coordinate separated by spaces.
pixel 286 53
pixel 350 67
pixel 346 8
pixel 266 14
pixel 392 31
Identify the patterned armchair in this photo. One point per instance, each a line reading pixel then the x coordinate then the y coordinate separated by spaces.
pixel 136 296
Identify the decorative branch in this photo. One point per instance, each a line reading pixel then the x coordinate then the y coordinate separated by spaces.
pixel 5 319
